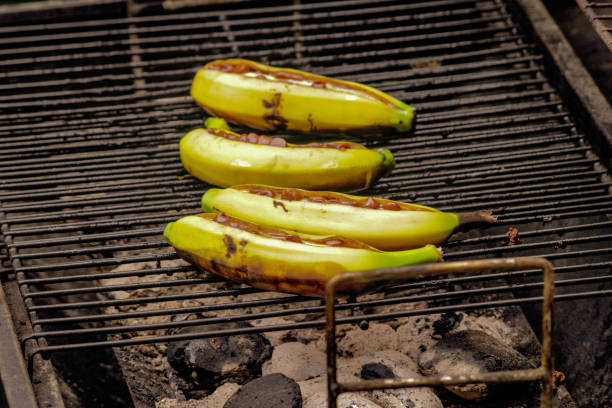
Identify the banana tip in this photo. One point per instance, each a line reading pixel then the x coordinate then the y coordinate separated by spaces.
pixel 406 119
pixel 388 163
pixel 208 198
pixel 167 232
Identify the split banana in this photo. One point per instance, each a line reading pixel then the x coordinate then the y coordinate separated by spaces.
pixel 384 224
pixel 224 158
pixel 273 259
pixel 269 98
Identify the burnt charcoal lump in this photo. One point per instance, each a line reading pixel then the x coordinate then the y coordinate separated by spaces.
pixel 447 322
pixel 273 390
pixel 471 352
pixel 370 371
pixel 210 362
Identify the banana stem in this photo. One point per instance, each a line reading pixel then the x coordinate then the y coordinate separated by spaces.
pixel 440 253
pixel 476 217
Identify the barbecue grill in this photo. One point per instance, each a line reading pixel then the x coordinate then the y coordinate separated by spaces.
pixel 95 97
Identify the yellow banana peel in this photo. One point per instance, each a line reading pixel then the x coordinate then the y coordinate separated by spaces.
pixel 384 224
pixel 219 157
pixel 273 259
pixel 270 98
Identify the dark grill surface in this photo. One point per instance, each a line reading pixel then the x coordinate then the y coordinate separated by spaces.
pixel 599 14
pixel 92 112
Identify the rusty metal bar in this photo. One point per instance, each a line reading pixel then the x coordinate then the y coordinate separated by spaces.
pixel 595 18
pixel 14 376
pixel 345 280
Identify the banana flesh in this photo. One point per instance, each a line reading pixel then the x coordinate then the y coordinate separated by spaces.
pixel 341 166
pixel 273 259
pixel 270 98
pixel 384 224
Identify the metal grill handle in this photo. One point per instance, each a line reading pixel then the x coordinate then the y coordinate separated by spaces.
pixel 542 373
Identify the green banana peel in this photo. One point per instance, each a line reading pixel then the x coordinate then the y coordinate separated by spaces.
pixel 223 162
pixel 278 264
pixel 400 226
pixel 271 98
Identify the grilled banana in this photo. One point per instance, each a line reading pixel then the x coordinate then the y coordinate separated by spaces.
pixel 270 98
pixel 224 158
pixel 273 259
pixel 383 224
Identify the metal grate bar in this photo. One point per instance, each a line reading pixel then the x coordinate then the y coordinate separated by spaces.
pixel 448 136
pixel 152 171
pixel 481 100
pixel 100 188
pixel 99 276
pixel 442 181
pixel 61 267
pixel 67 164
pixel 494 171
pixel 97 249
pixel 506 199
pixel 83 159
pixel 75 239
pixel 118 222
pixel 485 147
pixel 110 288
pixel 141 195
pixel 528 246
pixel 438 198
pixel 558 216
pixel 495 157
pixel 552 256
pixel 456 189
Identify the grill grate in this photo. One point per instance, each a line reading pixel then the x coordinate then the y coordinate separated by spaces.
pixel 92 112
pixel 600 15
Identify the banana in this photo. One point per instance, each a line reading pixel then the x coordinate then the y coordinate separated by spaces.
pixel 269 98
pixel 273 259
pixel 384 224
pixel 224 158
